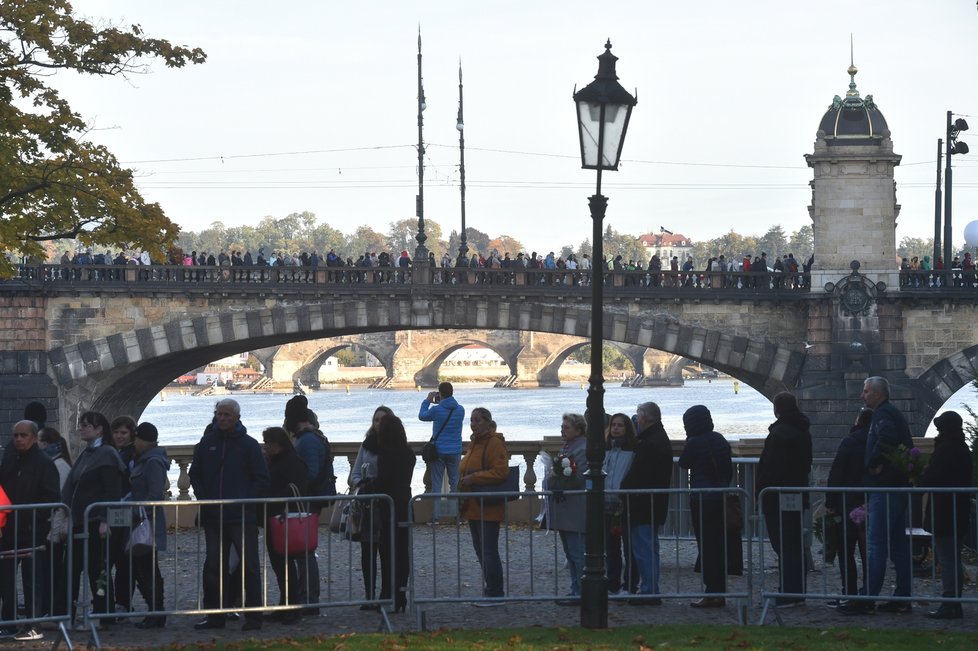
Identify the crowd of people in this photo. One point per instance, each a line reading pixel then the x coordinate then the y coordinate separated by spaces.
pixel 122 461
pixel 919 272
pixel 494 268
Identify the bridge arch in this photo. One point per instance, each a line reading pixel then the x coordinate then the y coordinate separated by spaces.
pixel 549 373
pixel 940 382
pixel 427 376
pixel 309 371
pixel 125 370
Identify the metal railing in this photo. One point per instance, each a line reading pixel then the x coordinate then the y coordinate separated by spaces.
pixel 903 543
pixel 43 560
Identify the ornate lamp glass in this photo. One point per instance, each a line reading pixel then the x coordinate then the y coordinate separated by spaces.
pixel 604 108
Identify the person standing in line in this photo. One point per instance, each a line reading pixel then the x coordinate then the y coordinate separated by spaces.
pixel 95 477
pixel 619 454
pixel 395 468
pixel 27 476
pixel 706 456
pixel 228 464
pixel 786 461
pixel 363 470
pixel 651 469
pixel 288 475
pixel 441 409
pixel 887 513
pixel 950 465
pixel 565 513
pixel 486 462
pixel 313 448
pixel 56 448
pixel 123 437
pixel 147 477
pixel 847 471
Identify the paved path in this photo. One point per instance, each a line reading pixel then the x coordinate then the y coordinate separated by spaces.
pixel 444 559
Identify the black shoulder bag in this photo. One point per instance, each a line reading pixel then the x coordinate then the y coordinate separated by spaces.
pixel 429 451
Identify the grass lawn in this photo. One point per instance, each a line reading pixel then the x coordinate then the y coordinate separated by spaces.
pixel 632 637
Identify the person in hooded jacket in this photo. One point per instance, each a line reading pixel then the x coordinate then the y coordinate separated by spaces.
pixel 486 462
pixel 786 461
pixel 950 513
pixel 148 480
pixel 228 464
pixel 706 456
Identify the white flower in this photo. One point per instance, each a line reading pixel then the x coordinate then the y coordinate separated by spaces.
pixel 568 471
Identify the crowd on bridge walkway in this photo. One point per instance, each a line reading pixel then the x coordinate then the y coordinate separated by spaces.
pixel 120 460
pixel 919 272
pixel 750 272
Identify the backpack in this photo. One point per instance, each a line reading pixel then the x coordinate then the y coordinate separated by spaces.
pixel 325 483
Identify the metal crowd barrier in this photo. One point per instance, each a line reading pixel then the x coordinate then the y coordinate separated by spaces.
pixel 455 574
pixel 913 536
pixel 327 574
pixel 42 564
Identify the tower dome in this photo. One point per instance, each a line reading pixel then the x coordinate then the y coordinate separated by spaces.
pixel 853 120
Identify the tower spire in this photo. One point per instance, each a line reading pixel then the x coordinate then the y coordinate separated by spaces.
pixel 852 92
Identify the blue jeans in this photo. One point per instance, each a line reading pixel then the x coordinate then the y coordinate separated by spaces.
pixel 485 540
pixel 645 551
pixel 886 537
pixel 444 462
pixel 573 542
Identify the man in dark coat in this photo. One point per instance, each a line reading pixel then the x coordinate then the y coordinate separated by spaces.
pixel 950 465
pixel 786 461
pixel 228 464
pixel 651 468
pixel 887 513
pixel 28 476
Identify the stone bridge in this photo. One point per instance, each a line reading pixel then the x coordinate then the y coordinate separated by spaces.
pixel 113 346
pixel 413 357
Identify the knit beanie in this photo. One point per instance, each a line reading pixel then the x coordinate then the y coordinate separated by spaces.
pixel 949 421
pixel 36 412
pixel 147 432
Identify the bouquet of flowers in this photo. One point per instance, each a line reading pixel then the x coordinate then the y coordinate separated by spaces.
pixel 909 461
pixel 564 475
pixel 858 515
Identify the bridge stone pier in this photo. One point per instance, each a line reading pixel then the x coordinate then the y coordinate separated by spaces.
pixel 414 358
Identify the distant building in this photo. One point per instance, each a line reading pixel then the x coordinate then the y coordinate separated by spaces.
pixel 666 245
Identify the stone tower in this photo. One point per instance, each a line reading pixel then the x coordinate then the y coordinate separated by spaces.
pixel 854 208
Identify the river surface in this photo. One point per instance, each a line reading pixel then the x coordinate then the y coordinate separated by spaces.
pixel 520 414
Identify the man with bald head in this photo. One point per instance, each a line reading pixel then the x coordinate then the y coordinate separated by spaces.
pixel 28 476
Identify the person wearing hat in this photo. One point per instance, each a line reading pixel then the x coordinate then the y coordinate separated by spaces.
pixel 949 513
pixel 706 456
pixel 148 478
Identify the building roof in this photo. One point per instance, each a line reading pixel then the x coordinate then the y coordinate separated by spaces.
pixel 664 239
pixel 853 120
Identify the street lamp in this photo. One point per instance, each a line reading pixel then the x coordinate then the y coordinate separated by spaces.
pixel 463 248
pixel 603 110
pixel 953 147
pixel 420 262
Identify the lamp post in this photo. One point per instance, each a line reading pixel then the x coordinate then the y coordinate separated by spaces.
pixel 952 147
pixel 421 252
pixel 463 248
pixel 603 110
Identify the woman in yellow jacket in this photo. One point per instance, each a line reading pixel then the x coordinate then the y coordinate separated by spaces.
pixel 487 462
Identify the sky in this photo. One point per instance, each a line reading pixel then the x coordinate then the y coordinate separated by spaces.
pixel 311 106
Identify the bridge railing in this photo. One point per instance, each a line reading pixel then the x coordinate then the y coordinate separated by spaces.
pixel 153 277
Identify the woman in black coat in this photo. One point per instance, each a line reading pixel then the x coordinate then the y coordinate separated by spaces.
pixel 288 474
pixel 395 468
pixel 950 465
pixel 848 468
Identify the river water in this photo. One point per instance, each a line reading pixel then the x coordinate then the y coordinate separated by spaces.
pixel 520 414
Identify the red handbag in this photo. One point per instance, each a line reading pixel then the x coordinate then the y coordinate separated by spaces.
pixel 4 501
pixel 294 533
